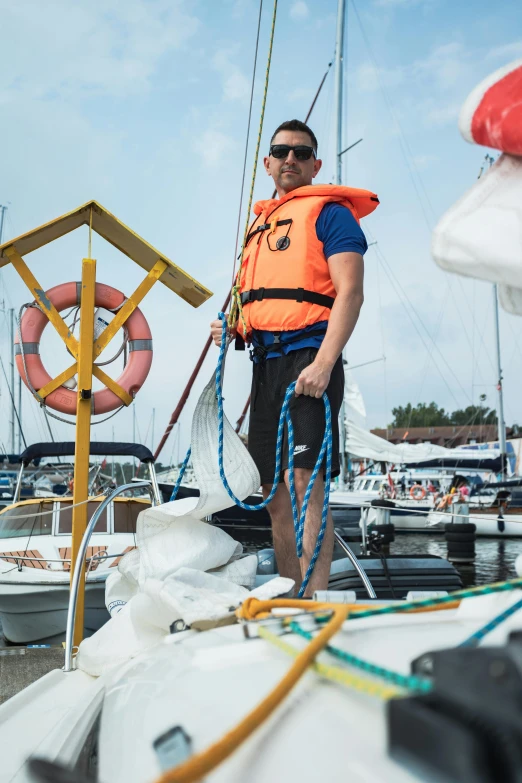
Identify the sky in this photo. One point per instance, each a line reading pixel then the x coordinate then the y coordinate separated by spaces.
pixel 143 106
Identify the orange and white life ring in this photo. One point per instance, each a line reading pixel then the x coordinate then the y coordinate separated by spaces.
pixel 417 492
pixel 67 295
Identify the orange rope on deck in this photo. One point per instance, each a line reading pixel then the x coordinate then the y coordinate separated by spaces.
pixel 201 764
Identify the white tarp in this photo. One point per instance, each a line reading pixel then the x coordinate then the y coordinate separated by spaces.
pixel 464 242
pixel 361 443
pixel 481 235
pixel 183 568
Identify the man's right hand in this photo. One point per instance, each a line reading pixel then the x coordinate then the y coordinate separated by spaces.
pixel 216 330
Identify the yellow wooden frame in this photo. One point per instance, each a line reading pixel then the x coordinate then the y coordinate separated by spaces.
pixel 86 350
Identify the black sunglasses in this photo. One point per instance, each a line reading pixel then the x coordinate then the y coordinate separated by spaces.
pixel 301 152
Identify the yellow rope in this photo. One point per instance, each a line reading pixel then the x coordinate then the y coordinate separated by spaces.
pixel 201 764
pixel 236 307
pixel 336 673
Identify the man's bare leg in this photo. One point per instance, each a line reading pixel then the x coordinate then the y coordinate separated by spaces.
pixel 321 573
pixel 280 510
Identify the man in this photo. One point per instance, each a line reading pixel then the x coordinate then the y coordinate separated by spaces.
pixel 301 283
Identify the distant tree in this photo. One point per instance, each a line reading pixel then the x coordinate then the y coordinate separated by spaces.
pixel 422 415
pixel 430 415
pixel 474 414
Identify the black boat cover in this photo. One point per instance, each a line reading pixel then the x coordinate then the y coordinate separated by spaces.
pixel 514 482
pixel 15 459
pixel 97 449
pixel 493 464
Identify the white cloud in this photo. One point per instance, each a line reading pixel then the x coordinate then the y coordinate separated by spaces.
pixel 369 77
pixel 446 65
pixel 299 94
pixel 422 162
pixel 236 86
pixel 110 48
pixel 442 115
pixel 213 146
pixel 299 10
pixel 509 51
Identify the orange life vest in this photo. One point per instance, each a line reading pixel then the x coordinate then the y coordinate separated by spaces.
pixel 285 283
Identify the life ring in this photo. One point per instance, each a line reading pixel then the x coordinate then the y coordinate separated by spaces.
pixel 417 492
pixel 62 399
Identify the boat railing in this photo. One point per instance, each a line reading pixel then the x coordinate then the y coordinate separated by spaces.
pixel 75 582
pixel 356 564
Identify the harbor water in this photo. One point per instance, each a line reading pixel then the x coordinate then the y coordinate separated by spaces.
pixel 494 560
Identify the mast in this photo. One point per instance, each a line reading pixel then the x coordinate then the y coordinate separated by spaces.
pixel 339 58
pixel 500 400
pixel 19 414
pixel 12 381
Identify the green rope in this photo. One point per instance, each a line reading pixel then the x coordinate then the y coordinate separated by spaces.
pixel 426 603
pixel 409 682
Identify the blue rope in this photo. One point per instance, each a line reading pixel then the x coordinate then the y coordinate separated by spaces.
pixel 475 638
pixel 181 474
pixel 284 418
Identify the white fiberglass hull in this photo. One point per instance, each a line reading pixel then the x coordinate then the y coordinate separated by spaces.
pixel 38 613
pixel 34 591
pixel 487 524
pixel 206 682
pixel 407 515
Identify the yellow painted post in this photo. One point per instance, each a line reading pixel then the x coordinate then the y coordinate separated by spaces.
pixel 83 428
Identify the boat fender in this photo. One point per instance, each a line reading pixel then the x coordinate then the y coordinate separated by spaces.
pixel 419 595
pixel 110 300
pixel 335 596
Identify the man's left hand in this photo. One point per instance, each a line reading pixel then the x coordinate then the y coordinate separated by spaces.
pixel 313 380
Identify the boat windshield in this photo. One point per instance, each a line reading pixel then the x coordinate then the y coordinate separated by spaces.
pixel 65 518
pixel 20 520
pixel 126 514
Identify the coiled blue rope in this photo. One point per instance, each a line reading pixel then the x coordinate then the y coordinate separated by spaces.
pixel 284 418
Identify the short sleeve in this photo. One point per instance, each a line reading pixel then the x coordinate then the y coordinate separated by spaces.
pixel 339 231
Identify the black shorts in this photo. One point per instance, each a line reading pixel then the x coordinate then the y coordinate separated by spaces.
pixel 269 383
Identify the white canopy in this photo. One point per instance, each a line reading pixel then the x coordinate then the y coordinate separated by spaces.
pixel 361 443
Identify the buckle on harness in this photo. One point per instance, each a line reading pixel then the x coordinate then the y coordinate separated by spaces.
pixel 259 294
pixel 300 295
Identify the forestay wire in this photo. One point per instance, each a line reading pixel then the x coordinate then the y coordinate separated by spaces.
pixel 236 309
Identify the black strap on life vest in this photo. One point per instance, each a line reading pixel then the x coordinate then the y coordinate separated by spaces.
pixel 295 294
pixel 264 227
pixel 259 352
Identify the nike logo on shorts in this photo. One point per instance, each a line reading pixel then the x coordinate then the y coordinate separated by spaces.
pixel 300 449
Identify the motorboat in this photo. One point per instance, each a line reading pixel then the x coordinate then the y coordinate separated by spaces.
pixel 501 517
pixel 35 551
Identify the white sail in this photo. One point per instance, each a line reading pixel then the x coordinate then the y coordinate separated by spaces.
pixel 353 399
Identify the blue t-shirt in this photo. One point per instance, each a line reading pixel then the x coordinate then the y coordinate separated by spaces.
pixel 339 232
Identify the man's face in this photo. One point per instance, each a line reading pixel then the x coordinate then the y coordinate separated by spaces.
pixel 289 173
